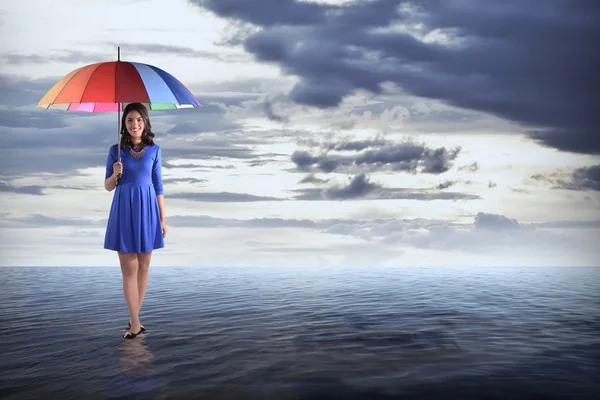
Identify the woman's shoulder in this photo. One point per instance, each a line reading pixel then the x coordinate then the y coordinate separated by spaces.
pixel 155 146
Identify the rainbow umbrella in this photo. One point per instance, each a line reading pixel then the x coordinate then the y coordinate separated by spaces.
pixel 110 86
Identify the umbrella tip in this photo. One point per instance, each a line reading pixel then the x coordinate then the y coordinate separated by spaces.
pixel 118 53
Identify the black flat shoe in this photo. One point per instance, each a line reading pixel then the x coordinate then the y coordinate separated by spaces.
pixel 143 329
pixel 129 335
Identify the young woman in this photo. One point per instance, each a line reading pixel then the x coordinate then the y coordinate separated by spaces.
pixel 136 222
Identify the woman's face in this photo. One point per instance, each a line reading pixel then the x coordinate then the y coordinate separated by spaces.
pixel 135 124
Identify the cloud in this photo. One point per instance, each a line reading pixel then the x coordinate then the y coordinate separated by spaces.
pixel 56 133
pixel 595 224
pixel 67 56
pixel 131 49
pixel 136 49
pixel 17 91
pixel 586 178
pixel 495 59
pixel 311 178
pixel 21 119
pixel 36 190
pixel 487 234
pixel 580 179
pixel 271 115
pixel 497 222
pixel 32 189
pixel 357 145
pixel 82 233
pixel 407 156
pixel 168 165
pixel 473 167
pixel 211 118
pixel 378 228
pixel 446 184
pixel 360 187
pixel 222 197
pixel 44 221
pixel 167 181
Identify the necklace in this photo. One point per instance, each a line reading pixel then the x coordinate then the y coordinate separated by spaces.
pixel 137 154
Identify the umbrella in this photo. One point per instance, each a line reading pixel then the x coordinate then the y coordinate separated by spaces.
pixel 110 86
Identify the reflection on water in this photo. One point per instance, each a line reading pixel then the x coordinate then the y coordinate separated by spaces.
pixel 136 358
pixel 292 333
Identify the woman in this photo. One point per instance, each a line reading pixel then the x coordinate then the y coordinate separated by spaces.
pixel 136 223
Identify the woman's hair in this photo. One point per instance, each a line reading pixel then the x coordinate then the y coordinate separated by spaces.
pixel 147 135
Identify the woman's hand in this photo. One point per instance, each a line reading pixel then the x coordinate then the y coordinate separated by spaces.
pixel 117 168
pixel 164 229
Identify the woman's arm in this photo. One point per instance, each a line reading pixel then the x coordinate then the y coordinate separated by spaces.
pixel 158 188
pixel 110 183
pixel 161 207
pixel 110 176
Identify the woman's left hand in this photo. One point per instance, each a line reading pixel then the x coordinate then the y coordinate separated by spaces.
pixel 164 229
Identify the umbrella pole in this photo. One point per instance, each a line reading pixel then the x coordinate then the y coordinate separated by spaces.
pixel 119 137
pixel 119 120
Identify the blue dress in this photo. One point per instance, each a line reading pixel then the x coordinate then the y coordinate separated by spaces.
pixel 134 224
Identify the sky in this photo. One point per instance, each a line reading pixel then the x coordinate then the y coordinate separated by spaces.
pixel 333 133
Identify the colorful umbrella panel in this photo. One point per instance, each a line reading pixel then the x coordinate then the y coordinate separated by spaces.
pixel 103 87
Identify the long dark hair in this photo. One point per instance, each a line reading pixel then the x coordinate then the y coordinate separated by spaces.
pixel 147 135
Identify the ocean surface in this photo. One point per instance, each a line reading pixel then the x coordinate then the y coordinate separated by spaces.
pixel 302 333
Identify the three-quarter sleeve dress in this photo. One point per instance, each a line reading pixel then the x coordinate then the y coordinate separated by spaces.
pixel 134 220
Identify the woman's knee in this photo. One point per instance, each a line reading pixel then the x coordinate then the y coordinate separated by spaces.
pixel 144 260
pixel 129 263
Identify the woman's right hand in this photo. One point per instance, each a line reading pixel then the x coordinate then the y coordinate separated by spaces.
pixel 117 168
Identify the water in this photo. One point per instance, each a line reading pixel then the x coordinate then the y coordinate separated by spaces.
pixel 303 333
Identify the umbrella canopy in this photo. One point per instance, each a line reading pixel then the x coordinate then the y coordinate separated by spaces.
pixel 111 85
pixel 102 87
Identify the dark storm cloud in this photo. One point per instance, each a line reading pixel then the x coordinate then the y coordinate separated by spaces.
pixel 360 187
pixel 405 156
pixel 527 62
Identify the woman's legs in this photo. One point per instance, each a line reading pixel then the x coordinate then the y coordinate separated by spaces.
pixel 142 275
pixel 129 270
